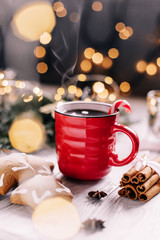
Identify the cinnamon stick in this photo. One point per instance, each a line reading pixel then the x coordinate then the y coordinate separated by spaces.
pixel 128 175
pixel 148 184
pixel 155 189
pixel 122 192
pixel 131 192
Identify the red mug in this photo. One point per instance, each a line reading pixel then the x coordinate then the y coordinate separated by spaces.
pixel 85 143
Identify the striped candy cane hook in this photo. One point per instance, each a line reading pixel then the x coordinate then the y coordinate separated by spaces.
pixel 119 103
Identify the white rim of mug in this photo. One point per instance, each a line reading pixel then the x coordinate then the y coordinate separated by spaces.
pixel 84 102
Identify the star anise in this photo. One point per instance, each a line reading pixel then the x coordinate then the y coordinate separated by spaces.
pixel 97 194
pixel 93 224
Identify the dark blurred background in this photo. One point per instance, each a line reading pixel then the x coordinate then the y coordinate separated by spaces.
pixel 123 36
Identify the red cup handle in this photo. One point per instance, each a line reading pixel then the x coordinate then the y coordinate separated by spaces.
pixel 113 158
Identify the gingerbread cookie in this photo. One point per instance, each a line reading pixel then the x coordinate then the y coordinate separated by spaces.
pixel 17 167
pixel 34 190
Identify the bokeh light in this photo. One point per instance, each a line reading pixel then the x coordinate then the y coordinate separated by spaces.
pixel 58 6
pixel 79 92
pixel 125 87
pixel 39 52
pixel 103 94
pixel 107 63
pixel 4 83
pixel 86 65
pixel 141 66
pixel 32 20
pixel 112 97
pixel 119 26
pixel 20 84
pixel 97 58
pixel 57 97
pixel 60 90
pixel 27 98
pixel 113 53
pixel 158 62
pixel 1 75
pixel 62 13
pixel 108 80
pixel 98 87
pixel 45 38
pixel 97 6
pixel 74 17
pixel 151 69
pixel 8 89
pixel 82 77
pixel 42 67
pixel 72 89
pixel 88 53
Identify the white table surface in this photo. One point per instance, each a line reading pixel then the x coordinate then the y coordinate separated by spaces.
pixel 123 218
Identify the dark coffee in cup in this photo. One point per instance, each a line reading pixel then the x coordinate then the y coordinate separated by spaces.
pixel 86 113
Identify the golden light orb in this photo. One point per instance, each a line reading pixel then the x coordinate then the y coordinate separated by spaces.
pixel 108 80
pixel 1 75
pixel 119 26
pixel 107 63
pixel 39 52
pixel 103 94
pixel 86 65
pixel 97 6
pixel 72 89
pixel 125 87
pixel 28 99
pixel 113 53
pixel 38 91
pixel 42 67
pixel 88 53
pixel 88 100
pixel 141 66
pixel 8 89
pixel 98 87
pixel 112 97
pixel 4 83
pixel 151 69
pixel 158 62
pixel 61 91
pixel 45 38
pixel 20 84
pixel 57 97
pixel 79 92
pixel 130 30
pixel 97 58
pixel 122 36
pixel 2 91
pixel 32 20
pixel 40 98
pixel 58 6
pixel 62 13
pixel 82 77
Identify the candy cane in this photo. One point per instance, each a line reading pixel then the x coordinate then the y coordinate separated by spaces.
pixel 119 103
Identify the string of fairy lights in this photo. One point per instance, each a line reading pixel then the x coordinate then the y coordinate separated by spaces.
pixel 90 58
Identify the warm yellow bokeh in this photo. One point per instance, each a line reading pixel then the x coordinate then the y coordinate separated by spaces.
pixel 82 77
pixel 32 20
pixel 88 52
pixel 141 66
pixel 98 87
pixel 151 69
pixel 97 58
pixel 107 63
pixel 113 53
pixel 125 87
pixel 39 52
pixel 86 65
